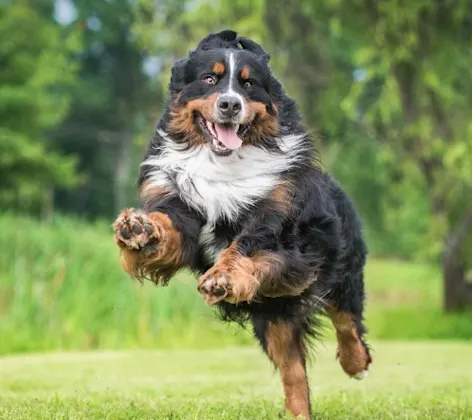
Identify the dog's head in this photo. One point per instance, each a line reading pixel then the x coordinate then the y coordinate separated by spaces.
pixel 224 96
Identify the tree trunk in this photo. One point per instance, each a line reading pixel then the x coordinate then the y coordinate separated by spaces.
pixel 457 291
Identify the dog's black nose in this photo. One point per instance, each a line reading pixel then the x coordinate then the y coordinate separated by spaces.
pixel 229 106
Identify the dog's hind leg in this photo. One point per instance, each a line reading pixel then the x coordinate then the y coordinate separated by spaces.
pixel 283 342
pixel 353 353
pixel 346 305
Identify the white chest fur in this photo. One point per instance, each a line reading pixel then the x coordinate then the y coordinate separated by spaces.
pixel 221 186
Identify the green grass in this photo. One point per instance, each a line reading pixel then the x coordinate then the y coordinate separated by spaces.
pixel 421 380
pixel 62 287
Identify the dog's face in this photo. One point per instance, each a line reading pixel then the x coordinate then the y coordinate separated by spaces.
pixel 221 98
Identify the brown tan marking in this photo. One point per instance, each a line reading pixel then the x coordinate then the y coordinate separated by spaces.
pixel 204 105
pixel 286 352
pixel 149 191
pixel 260 110
pixel 281 197
pixel 150 245
pixel 245 73
pixel 353 357
pixel 183 121
pixel 237 278
pixel 219 68
pixel 269 268
pixel 233 278
pixel 264 124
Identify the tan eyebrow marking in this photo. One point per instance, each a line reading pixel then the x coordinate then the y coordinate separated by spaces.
pixel 219 68
pixel 245 73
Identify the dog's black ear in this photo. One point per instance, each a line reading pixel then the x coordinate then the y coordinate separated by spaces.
pixel 255 48
pixel 223 39
pixel 178 76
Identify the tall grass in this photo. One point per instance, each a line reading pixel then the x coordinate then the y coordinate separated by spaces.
pixel 62 287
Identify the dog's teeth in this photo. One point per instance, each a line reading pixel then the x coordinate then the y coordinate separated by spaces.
pixel 218 145
pixel 212 129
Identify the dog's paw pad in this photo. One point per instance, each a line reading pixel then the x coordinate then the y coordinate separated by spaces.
pixel 134 230
pixel 214 286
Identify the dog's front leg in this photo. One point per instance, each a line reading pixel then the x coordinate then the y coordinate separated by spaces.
pixel 256 263
pixel 158 240
pixel 233 278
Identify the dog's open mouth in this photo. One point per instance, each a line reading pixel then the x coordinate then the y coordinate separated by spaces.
pixel 223 137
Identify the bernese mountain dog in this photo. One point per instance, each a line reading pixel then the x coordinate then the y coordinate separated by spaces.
pixel 231 187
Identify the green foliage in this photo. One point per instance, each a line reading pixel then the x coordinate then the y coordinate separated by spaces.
pixel 407 381
pixel 35 76
pixel 420 107
pixel 113 103
pixel 62 286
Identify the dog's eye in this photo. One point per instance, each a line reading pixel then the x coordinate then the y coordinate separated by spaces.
pixel 209 80
pixel 247 84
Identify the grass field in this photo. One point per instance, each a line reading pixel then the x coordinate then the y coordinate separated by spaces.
pixel 61 287
pixel 423 380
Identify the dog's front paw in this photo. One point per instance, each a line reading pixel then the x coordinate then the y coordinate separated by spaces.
pixel 134 230
pixel 234 286
pixel 215 286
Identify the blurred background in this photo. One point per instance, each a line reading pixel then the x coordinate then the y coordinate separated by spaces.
pixel 385 87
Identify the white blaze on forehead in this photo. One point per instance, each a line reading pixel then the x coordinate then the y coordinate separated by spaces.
pixel 232 69
pixel 233 79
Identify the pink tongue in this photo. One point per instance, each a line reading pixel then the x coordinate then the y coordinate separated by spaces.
pixel 228 136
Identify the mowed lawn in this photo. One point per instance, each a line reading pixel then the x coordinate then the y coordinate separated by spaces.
pixel 424 380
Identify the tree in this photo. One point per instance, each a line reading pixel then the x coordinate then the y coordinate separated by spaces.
pixel 110 107
pixel 35 75
pixel 418 54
